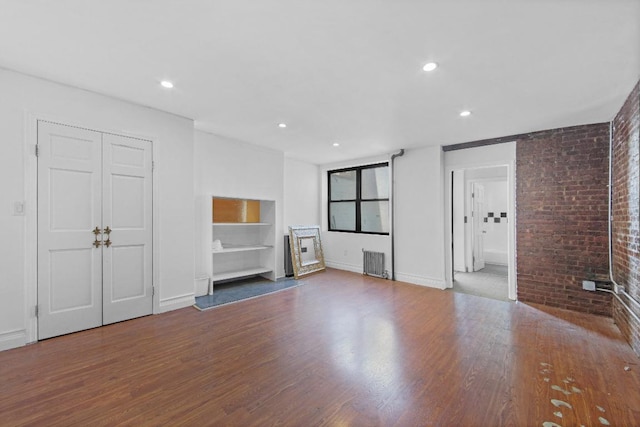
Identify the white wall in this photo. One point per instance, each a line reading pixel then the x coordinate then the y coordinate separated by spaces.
pixel 230 168
pixel 418 224
pixel 419 229
pixel 496 237
pixel 22 100
pixel 301 193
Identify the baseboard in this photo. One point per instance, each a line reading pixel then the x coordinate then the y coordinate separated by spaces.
pixel 402 277
pixel 13 339
pixel 421 280
pixel 176 303
pixel 342 266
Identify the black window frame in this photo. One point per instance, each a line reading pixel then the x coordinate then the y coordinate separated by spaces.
pixel 358 200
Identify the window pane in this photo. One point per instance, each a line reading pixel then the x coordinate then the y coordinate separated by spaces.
pixel 375 217
pixel 375 183
pixel 342 216
pixel 343 185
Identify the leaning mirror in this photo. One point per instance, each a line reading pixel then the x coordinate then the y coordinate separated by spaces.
pixel 306 249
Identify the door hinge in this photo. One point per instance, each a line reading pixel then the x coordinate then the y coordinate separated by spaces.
pixel 37 311
pixel 153 291
pixel 37 150
pixel 153 166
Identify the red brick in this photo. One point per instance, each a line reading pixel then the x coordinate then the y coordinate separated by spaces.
pixel 561 208
pixel 625 212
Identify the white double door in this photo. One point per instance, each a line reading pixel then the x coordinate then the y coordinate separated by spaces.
pixel 94 229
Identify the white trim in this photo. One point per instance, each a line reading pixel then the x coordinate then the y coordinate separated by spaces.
pixel 175 303
pixel 342 266
pixel 430 282
pixel 155 207
pixel 30 139
pixel 511 215
pixel 13 339
pixel 31 218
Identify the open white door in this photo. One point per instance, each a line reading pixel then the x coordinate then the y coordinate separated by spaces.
pixel 69 208
pixel 127 219
pixel 477 197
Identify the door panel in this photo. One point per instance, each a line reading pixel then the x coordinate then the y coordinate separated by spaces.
pixel 69 208
pixel 127 274
pixel 127 191
pixel 70 271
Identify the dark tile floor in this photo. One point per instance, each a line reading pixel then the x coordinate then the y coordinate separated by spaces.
pixel 239 290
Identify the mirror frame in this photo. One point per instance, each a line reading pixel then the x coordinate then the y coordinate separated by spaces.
pixel 296 234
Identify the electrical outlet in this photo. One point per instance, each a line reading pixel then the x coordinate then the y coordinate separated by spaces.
pixel 588 285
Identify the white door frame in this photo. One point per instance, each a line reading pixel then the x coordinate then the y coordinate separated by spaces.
pixel 31 215
pixel 511 247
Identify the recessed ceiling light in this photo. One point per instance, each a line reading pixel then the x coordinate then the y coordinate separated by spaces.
pixel 166 84
pixel 430 66
pixel 282 125
pixel 465 113
pixel 335 144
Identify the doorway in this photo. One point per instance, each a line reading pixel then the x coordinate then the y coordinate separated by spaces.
pixel 94 222
pixel 480 231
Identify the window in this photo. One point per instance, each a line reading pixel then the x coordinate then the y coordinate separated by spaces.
pixel 359 199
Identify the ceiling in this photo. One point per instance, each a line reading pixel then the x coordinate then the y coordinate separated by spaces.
pixel 345 71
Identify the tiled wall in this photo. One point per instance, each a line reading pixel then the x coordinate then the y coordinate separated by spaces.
pixel 626 213
pixel 561 216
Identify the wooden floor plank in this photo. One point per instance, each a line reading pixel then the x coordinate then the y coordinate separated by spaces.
pixel 344 349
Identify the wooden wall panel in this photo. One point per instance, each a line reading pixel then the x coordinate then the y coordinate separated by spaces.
pixel 235 210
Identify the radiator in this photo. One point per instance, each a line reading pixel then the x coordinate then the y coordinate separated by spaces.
pixel 373 264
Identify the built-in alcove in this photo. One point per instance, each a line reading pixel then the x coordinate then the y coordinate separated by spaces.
pixel 242 239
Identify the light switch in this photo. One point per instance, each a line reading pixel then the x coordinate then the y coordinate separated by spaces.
pixel 18 208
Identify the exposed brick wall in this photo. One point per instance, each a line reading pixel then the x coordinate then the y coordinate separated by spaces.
pixel 626 212
pixel 561 222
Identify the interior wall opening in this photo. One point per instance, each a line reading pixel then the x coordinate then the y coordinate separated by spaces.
pixel 480 231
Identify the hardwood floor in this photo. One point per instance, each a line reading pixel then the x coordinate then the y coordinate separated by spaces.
pixel 342 350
